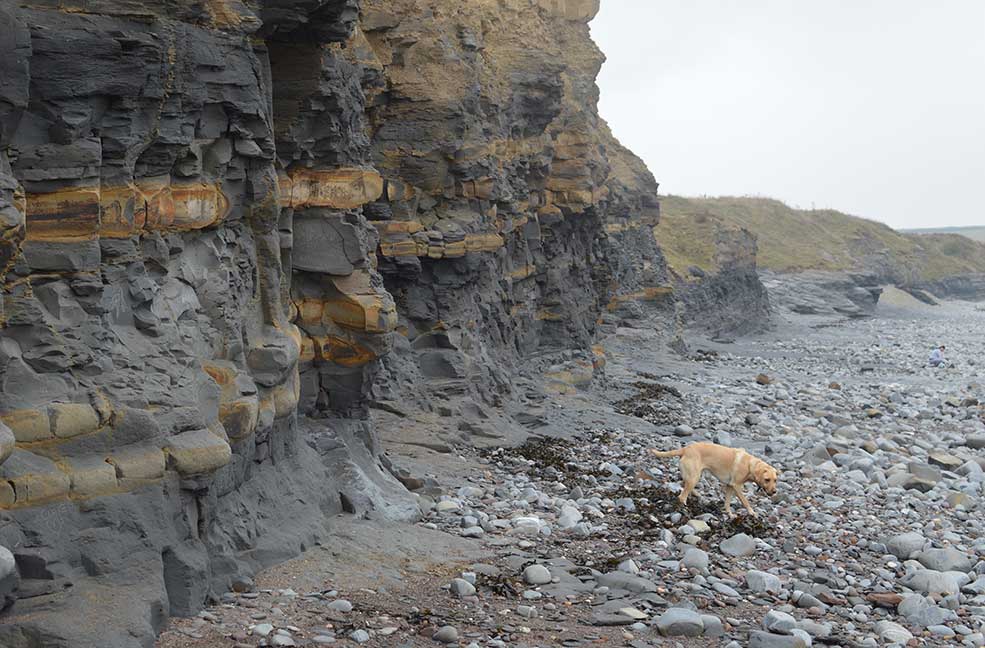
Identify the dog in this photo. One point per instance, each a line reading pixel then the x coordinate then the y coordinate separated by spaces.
pixel 732 466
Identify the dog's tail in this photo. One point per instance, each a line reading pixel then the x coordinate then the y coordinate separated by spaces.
pixel 668 453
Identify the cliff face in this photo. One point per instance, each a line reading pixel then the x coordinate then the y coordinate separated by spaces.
pixel 482 119
pixel 850 249
pixel 231 227
pixel 714 266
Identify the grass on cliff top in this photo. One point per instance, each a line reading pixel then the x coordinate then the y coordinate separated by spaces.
pixel 974 233
pixel 687 240
pixel 791 240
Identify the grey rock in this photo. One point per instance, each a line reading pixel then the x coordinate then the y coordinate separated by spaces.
pixel 9 577
pixel 340 605
pixel 921 612
pixel 927 581
pixel 739 545
pixel 760 639
pixel 779 622
pixel 713 626
pixel 7 442
pixel 462 588
pixel 446 634
pixel 904 545
pixel 892 632
pixel 680 622
pixel 628 582
pixel 946 559
pixel 695 558
pixel 536 575
pixel 763 582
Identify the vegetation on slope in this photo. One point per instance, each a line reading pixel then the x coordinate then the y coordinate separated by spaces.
pixel 974 233
pixel 792 240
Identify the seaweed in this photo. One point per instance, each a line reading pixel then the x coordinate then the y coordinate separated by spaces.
pixel 499 585
pixel 646 403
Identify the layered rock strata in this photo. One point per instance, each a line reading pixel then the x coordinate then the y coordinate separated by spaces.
pixel 229 228
pixel 153 329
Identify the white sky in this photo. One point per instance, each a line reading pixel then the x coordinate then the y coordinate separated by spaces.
pixel 872 107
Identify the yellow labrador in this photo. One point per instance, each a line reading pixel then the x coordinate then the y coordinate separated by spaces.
pixel 732 466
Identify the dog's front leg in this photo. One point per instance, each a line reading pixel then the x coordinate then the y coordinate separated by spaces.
pixel 728 501
pixel 745 502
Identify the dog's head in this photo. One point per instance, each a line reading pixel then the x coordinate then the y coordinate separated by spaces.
pixel 766 477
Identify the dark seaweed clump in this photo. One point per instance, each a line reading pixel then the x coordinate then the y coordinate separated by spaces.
pixel 655 503
pixel 546 453
pixel 499 585
pixel 654 402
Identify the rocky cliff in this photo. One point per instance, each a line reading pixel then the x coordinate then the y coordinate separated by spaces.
pixel 822 260
pixel 232 227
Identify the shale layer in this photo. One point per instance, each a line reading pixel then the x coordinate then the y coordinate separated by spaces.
pixel 231 227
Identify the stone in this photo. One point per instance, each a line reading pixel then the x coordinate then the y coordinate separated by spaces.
pixel 462 588
pixel 920 611
pixel 138 463
pixel 683 430
pixel 713 626
pixel 315 234
pixel 628 582
pixel 904 545
pixel 447 506
pixel 944 460
pixel 739 545
pixel 7 441
pixel 570 516
pixel 608 620
pixel 197 452
pixel 28 425
pixel 695 558
pixel 33 478
pixel 629 566
pixel 760 639
pixel 359 636
pixel 763 582
pixel 946 559
pixel 340 605
pixel 536 575
pixel 892 632
pixel 699 526
pixel 446 635
pixel 680 622
pixel 924 472
pixel 779 622
pixel 633 613
pixel 9 577
pixel 72 419
pixel 928 581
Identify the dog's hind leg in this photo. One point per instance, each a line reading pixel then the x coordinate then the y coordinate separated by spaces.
pixel 690 475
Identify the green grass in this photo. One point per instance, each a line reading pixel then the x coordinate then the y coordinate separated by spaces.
pixel 792 240
pixel 974 233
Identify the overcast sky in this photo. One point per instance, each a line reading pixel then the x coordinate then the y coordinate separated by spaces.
pixel 873 107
